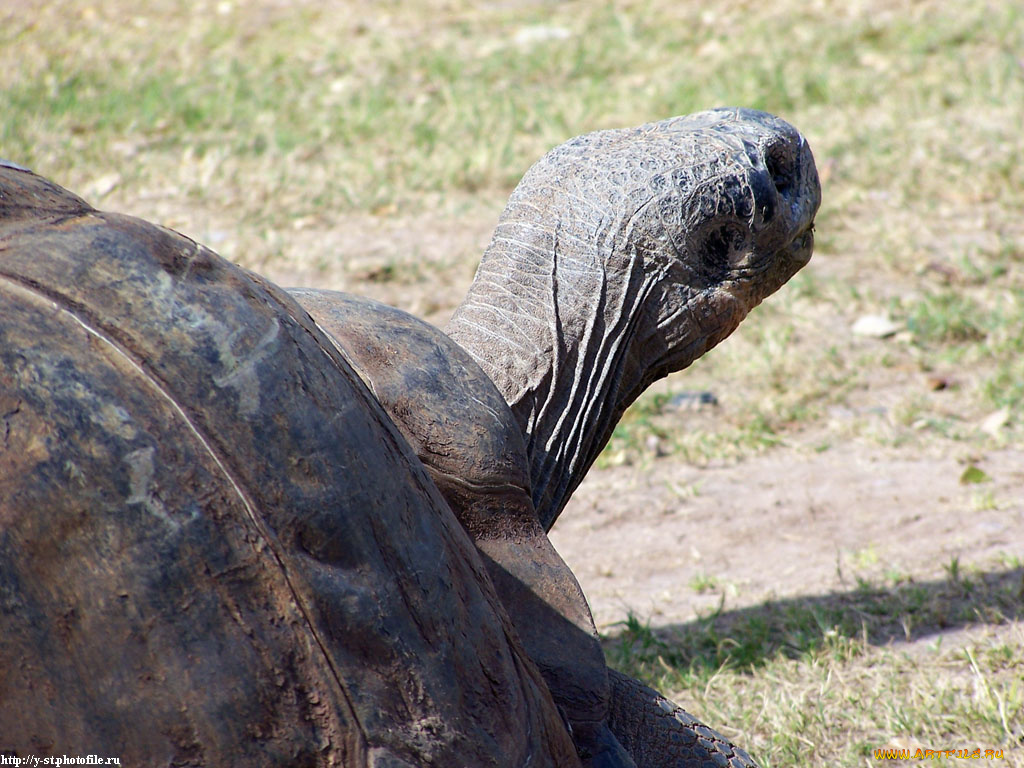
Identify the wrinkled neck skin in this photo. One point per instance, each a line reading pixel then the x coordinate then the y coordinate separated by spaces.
pixel 590 352
pixel 621 257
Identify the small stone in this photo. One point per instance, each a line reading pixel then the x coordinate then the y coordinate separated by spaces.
pixel 946 272
pixel 102 186
pixel 994 422
pixel 692 401
pixel 653 445
pixel 876 327
pixel 539 33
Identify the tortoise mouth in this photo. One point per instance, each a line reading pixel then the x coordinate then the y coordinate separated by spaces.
pixel 801 247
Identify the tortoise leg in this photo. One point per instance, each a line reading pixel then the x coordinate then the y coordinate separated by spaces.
pixel 660 734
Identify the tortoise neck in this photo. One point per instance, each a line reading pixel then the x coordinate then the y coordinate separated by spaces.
pixel 555 334
pixel 623 256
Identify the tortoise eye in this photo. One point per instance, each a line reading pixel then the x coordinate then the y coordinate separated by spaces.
pixel 723 248
pixel 716 247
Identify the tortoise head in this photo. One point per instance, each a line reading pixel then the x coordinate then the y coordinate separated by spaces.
pixel 623 256
pixel 729 219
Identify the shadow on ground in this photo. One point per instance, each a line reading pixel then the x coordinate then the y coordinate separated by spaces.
pixel 747 638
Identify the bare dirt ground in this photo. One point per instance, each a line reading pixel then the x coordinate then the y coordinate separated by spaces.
pixel 667 541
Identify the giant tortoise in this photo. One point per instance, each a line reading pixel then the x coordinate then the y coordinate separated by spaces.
pixel 246 526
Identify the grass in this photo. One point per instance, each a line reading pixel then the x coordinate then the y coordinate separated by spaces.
pixel 290 136
pixel 872 613
pixel 827 680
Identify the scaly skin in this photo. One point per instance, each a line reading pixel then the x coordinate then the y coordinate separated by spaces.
pixel 623 256
pixel 657 732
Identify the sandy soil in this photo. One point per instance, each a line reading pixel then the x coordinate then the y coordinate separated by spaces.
pixel 651 539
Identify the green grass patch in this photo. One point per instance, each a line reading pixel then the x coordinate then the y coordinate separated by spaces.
pixel 466 101
pixel 804 628
pixel 816 681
